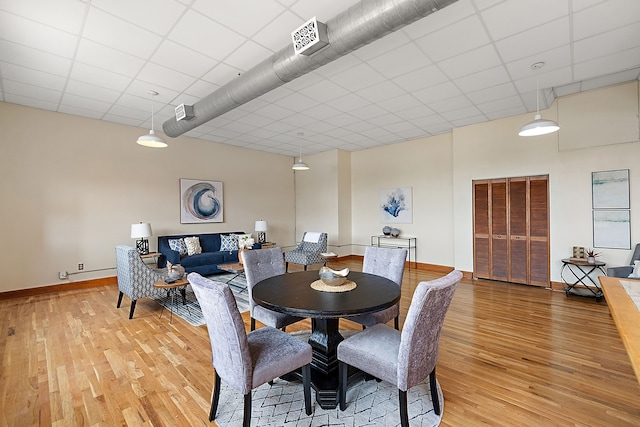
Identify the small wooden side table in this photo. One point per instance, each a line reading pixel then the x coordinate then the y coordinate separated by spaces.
pixel 268 245
pixel 172 288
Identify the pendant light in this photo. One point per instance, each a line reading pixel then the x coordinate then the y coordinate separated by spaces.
pixel 152 140
pixel 538 126
pixel 300 165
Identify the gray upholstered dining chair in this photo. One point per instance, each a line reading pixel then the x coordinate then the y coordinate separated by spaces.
pixel 625 270
pixel 135 278
pixel 246 361
pixel 389 263
pixel 260 264
pixel 308 250
pixel 404 358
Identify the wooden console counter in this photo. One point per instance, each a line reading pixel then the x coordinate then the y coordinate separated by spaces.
pixel 626 315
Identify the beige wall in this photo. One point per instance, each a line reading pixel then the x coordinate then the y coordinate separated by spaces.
pixel 440 170
pixel 71 187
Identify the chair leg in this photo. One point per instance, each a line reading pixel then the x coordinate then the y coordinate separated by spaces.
pixel 253 324
pixel 119 299
pixel 404 416
pixel 183 292
pixel 215 398
pixel 434 392
pixel 396 323
pixel 286 267
pixel 133 308
pixel 305 267
pixel 342 385
pixel 247 410
pixel 306 385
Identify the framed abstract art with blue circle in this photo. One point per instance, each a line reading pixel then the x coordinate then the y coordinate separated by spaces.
pixel 200 201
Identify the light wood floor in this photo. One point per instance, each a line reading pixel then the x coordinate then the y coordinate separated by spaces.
pixel 510 355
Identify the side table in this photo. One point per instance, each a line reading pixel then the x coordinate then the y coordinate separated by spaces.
pixel 172 288
pixel 268 245
pixel 581 275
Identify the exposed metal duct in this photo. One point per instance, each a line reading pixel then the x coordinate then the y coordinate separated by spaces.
pixel 359 25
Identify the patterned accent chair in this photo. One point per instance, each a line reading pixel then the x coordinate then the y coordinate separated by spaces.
pixel 404 358
pixel 260 264
pixel 246 361
pixel 389 263
pixel 308 251
pixel 625 270
pixel 135 278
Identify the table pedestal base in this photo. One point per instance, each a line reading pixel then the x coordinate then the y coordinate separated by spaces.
pixel 324 341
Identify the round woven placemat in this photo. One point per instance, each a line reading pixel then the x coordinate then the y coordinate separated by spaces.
pixel 319 285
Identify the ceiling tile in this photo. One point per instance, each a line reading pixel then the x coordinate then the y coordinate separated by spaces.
pixel 66 15
pixel 608 15
pixel 479 59
pixel 99 77
pixel 38 36
pixel 205 36
pixel 155 16
pixel 247 56
pixel 30 76
pixel 104 57
pixel 512 17
pixel 323 91
pixel 243 18
pixel 621 39
pixel 483 79
pixel 401 60
pixel 32 58
pixel 455 39
pixel 121 35
pixel 180 58
pixel 276 34
pixel 420 79
pixel 536 40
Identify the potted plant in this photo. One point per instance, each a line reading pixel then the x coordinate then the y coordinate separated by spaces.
pixel 591 256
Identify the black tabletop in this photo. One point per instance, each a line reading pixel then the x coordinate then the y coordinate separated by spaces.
pixel 291 293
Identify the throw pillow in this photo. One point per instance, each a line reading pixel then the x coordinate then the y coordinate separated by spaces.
pixel 229 242
pixel 193 245
pixel 636 270
pixel 179 246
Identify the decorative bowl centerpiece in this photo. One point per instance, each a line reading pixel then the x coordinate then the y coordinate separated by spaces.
pixel 175 271
pixel 332 277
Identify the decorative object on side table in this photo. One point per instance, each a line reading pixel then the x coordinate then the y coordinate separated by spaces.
pixel 591 256
pixel 141 231
pixel 386 230
pixel 395 232
pixel 174 271
pixel 245 242
pixel 332 277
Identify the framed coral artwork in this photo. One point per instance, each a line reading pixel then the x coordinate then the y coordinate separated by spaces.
pixel 200 201
pixel 396 205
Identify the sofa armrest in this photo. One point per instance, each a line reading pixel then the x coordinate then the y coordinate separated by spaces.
pixel 623 271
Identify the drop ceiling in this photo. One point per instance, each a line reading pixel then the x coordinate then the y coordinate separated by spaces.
pixel 468 63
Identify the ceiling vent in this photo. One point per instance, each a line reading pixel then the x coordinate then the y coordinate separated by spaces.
pixel 184 112
pixel 310 37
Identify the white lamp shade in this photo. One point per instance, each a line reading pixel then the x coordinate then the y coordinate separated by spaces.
pixel 141 230
pixel 539 126
pixel 152 140
pixel 261 226
pixel 300 166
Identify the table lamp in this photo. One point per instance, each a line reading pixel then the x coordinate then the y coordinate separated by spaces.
pixel 261 231
pixel 141 231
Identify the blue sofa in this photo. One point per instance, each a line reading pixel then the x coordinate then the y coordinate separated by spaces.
pixel 205 263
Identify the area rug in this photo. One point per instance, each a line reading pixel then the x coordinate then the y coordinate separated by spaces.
pixel 369 403
pixel 192 312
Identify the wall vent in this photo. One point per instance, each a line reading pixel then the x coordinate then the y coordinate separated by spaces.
pixel 310 37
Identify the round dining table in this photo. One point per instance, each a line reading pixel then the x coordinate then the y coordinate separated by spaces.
pixel 291 293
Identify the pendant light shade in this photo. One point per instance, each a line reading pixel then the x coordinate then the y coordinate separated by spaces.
pixel 300 165
pixel 538 126
pixel 152 140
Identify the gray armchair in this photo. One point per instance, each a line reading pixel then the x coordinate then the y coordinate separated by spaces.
pixel 246 361
pixel 308 251
pixel 625 270
pixel 260 264
pixel 135 278
pixel 389 263
pixel 404 358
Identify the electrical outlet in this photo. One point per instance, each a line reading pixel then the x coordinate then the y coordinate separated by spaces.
pixel 80 267
pixel 63 275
